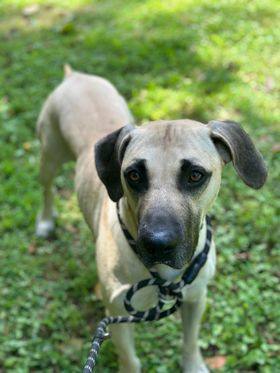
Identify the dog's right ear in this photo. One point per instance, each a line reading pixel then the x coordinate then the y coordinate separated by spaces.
pixel 109 152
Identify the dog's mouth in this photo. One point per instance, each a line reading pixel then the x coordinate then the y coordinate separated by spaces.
pixel 176 259
pixel 175 262
pixel 166 272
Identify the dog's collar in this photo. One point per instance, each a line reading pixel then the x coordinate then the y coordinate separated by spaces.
pixel 128 236
pixel 195 265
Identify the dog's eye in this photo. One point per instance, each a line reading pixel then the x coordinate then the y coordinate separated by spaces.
pixel 134 176
pixel 195 176
pixel 192 177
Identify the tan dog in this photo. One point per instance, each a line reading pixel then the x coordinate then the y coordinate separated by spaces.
pixel 165 175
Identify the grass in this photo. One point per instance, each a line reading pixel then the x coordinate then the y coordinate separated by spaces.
pixel 182 58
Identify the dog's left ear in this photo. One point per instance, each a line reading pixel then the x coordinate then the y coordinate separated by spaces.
pixel 234 144
pixel 109 152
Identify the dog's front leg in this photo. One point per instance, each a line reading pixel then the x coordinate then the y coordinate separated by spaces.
pixel 122 334
pixel 123 339
pixel 191 315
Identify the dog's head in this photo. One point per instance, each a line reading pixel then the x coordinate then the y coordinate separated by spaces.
pixel 169 172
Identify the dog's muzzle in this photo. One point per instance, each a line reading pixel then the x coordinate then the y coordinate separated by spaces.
pixel 161 240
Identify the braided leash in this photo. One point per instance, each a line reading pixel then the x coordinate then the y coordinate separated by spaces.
pixel 166 289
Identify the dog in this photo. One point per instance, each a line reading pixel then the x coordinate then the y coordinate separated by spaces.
pixel 165 176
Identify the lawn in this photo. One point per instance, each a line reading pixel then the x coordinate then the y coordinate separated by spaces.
pixel 170 59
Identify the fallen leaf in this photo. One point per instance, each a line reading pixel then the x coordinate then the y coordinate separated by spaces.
pixel 216 362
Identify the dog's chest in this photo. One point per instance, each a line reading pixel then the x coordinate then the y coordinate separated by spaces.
pixel 148 297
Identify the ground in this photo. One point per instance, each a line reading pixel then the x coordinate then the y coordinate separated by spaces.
pixel 182 58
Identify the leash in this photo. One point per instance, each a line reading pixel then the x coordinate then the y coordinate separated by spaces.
pixel 166 290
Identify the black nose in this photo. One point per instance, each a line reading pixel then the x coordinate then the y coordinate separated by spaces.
pixel 159 241
pixel 159 234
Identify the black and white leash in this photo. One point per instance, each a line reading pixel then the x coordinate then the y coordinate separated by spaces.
pixel 165 289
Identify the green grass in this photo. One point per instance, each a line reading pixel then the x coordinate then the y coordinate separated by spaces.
pixel 181 58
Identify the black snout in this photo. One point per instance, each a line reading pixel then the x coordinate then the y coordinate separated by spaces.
pixel 160 238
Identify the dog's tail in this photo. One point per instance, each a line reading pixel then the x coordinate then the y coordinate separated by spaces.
pixel 68 71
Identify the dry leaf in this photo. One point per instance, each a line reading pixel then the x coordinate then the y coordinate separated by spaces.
pixel 216 362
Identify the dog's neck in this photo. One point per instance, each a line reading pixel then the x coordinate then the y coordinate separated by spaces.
pixel 128 217
pixel 163 270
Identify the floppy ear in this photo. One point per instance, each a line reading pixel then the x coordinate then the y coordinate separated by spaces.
pixel 234 144
pixel 108 153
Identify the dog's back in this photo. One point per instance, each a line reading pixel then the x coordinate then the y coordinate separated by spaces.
pixel 81 110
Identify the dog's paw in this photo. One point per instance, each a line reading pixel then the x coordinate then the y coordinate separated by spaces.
pixel 132 366
pixel 195 368
pixel 45 228
pixel 194 364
